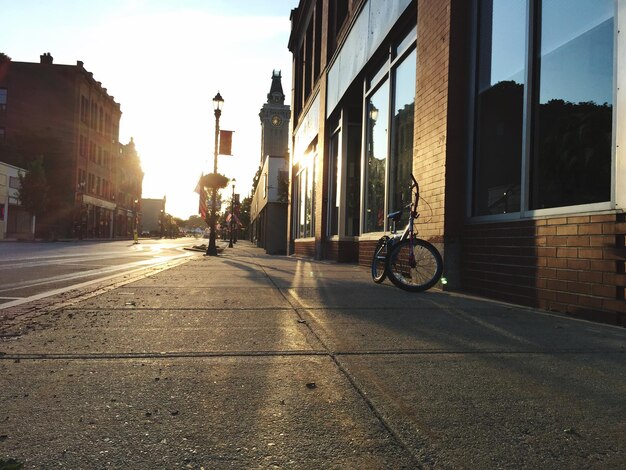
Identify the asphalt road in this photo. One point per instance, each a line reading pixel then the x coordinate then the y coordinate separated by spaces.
pixel 32 271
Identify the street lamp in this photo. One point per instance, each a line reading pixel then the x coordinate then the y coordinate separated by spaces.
pixel 232 215
pixel 218 101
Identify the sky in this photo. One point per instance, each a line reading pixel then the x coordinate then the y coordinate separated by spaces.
pixel 164 61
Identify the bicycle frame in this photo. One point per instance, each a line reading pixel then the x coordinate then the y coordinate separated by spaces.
pixel 408 231
pixel 400 253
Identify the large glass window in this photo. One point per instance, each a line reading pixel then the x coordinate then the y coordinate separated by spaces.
pixel 333 174
pixel 304 203
pixel 543 136
pixel 401 159
pixel 571 161
pixel 353 180
pixel 377 126
pixel 500 106
pixel 388 155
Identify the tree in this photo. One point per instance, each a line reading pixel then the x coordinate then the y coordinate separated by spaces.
pixel 33 191
pixel 244 214
pixel 257 177
pixel 195 221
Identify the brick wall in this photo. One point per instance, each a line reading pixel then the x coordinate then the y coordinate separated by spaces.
pixel 366 252
pixel 342 251
pixel 572 265
pixel 431 108
pixel 305 249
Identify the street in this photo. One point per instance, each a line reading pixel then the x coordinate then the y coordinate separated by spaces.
pixel 31 271
pixel 253 361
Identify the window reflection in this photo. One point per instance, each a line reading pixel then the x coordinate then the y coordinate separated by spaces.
pixel 304 189
pixel 569 110
pixel 571 162
pixel 402 136
pixel 500 106
pixel 377 123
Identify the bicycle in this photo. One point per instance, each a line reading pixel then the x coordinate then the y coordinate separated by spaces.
pixel 410 263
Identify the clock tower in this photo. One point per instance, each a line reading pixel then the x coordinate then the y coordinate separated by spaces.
pixel 275 116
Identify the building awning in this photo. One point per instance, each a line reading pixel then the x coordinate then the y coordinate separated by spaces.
pixel 94 201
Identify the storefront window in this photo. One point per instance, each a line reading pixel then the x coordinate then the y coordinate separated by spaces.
pixel 401 159
pixel 304 190
pixel 333 174
pixel 500 106
pixel 389 150
pixel 546 141
pixel 376 157
pixel 571 161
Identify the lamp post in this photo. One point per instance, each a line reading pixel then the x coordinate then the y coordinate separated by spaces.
pixel 135 222
pixel 211 249
pixel 232 215
pixel 79 223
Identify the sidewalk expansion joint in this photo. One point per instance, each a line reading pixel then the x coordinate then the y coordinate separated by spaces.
pixel 358 389
pixel 333 355
pixel 156 355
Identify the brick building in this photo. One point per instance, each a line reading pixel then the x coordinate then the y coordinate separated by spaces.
pixel 62 113
pixel 129 180
pixel 507 113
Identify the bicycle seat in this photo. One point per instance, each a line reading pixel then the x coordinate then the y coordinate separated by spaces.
pixel 395 216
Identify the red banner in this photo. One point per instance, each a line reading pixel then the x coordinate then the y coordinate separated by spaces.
pixel 226 142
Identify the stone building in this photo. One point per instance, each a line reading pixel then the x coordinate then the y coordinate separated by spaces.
pixel 268 209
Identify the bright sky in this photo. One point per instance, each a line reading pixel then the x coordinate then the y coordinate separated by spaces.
pixel 164 61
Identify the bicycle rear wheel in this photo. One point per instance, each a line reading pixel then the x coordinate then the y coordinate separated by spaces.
pixel 416 275
pixel 379 260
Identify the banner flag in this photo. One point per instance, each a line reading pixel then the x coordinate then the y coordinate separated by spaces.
pixel 202 207
pixel 226 142
pixel 202 195
pixel 199 185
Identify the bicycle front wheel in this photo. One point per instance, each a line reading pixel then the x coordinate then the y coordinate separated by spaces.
pixel 379 260
pixel 414 272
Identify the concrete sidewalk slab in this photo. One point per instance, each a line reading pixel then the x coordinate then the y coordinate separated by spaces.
pixel 493 328
pixel 111 332
pixel 501 410
pixel 132 297
pixel 226 413
pixel 307 365
pixel 200 280
pixel 350 295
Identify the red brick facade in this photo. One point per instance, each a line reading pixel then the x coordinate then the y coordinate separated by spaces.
pixel 566 264
pixel 572 263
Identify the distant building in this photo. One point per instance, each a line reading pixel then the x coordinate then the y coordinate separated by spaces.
pixel 268 211
pixel 152 217
pixel 15 222
pixel 62 113
pixel 129 180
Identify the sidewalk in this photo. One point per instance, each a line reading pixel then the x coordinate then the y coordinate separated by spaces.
pixel 252 361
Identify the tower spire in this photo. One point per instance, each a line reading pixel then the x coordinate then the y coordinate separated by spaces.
pixel 276 94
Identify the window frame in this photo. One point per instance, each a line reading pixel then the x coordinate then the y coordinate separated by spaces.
pixel 304 196
pixel 384 72
pixel 531 87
